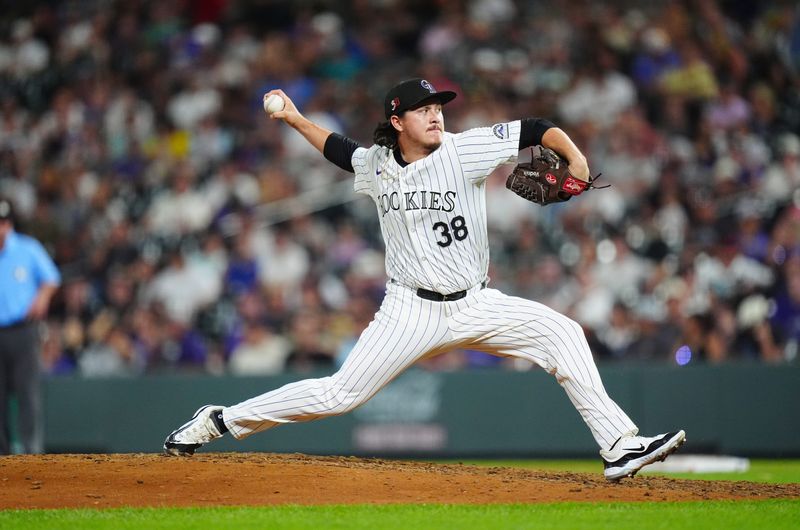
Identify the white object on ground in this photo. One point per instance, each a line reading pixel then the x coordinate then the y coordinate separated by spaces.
pixel 700 464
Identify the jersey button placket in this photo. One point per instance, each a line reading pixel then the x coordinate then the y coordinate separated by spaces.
pixel 411 223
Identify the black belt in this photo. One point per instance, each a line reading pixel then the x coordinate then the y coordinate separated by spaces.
pixel 439 297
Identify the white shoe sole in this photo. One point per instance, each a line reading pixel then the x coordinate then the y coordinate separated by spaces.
pixel 659 455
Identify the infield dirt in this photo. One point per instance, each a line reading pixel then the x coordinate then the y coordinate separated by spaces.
pixel 218 479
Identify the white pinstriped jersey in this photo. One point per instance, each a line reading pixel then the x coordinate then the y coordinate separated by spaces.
pixel 433 219
pixel 433 211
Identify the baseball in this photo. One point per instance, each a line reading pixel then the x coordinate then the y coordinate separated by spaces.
pixel 273 103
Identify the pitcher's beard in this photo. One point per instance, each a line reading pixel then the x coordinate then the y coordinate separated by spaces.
pixel 432 146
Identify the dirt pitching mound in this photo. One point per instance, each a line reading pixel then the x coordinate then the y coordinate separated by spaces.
pixel 213 479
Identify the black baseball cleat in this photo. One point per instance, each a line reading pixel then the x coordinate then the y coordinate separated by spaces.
pixel 200 430
pixel 631 453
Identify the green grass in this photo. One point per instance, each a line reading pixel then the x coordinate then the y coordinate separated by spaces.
pixel 771 471
pixel 767 514
pixel 773 515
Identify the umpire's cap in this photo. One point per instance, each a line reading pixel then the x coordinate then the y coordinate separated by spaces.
pixel 410 93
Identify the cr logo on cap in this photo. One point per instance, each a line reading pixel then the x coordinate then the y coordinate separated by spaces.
pixel 427 86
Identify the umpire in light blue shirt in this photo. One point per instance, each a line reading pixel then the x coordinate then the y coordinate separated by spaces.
pixel 28 279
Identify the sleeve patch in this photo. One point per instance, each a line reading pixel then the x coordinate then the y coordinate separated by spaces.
pixel 501 130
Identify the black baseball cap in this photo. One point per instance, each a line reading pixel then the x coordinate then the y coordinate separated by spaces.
pixel 6 211
pixel 410 93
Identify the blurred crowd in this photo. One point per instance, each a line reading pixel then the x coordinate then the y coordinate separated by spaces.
pixel 134 146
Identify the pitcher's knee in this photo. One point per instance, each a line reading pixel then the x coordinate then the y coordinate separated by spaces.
pixel 577 329
pixel 569 326
pixel 343 401
pixel 569 339
pixel 340 399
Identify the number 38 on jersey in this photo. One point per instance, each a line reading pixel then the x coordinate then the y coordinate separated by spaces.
pixel 457 228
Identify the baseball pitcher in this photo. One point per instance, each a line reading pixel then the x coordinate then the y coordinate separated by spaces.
pixel 429 190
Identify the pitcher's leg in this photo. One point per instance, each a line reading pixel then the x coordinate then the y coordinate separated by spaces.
pixel 521 328
pixel 405 330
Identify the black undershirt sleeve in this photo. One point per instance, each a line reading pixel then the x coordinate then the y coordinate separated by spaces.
pixel 531 131
pixel 339 150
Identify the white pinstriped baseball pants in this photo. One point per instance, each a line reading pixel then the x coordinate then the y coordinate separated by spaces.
pixel 408 328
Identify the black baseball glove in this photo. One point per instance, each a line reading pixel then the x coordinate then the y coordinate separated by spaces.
pixel 546 179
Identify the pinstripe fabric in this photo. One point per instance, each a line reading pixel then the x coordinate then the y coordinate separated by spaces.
pixel 511 326
pixel 408 328
pixel 433 220
pixel 405 329
pixel 418 203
